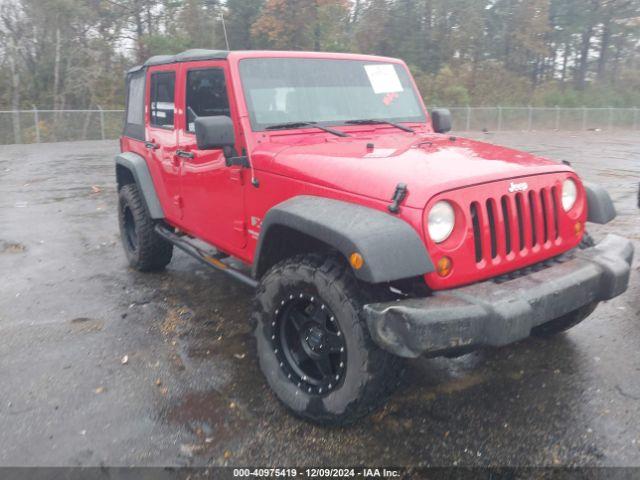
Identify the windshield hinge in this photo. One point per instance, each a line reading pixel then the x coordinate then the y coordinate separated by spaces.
pixel 398 196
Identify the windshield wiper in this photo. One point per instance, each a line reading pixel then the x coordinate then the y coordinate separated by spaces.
pixel 283 126
pixel 373 121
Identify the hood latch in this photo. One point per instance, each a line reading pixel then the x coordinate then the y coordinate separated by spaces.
pixel 398 196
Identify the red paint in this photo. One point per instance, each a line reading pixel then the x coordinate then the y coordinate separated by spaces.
pixel 218 204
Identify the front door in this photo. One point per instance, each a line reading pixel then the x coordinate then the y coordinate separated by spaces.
pixel 211 191
pixel 161 143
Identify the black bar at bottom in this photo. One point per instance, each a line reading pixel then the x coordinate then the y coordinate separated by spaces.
pixel 214 263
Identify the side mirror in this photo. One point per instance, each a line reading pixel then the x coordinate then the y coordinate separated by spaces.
pixel 214 132
pixel 441 120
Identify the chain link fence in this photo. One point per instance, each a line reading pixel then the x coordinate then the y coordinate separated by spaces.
pixel 39 126
pixel 498 119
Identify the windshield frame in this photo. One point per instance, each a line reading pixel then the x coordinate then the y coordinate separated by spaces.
pixel 258 127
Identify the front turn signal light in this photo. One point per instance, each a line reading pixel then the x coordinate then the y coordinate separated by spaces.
pixel 356 261
pixel 444 266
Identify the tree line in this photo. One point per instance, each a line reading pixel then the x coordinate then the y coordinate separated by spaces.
pixel 73 53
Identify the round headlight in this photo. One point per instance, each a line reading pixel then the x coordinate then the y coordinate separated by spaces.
pixel 441 221
pixel 569 194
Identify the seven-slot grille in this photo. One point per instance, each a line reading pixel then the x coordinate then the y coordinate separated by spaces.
pixel 515 222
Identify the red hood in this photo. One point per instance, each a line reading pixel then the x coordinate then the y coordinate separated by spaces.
pixel 427 164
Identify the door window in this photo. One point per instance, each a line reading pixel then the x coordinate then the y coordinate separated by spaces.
pixel 206 95
pixel 162 99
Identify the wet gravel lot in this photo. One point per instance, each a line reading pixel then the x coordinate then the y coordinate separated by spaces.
pixel 101 365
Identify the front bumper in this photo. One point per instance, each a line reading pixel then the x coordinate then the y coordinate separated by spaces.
pixel 494 314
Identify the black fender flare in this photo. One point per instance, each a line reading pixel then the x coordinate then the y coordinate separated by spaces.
pixel 599 204
pixel 391 248
pixel 137 165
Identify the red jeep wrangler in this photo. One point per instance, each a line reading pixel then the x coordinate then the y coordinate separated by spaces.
pixel 370 234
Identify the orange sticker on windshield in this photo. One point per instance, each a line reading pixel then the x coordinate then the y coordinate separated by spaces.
pixel 389 98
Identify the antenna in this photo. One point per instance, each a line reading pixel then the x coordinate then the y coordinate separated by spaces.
pixel 224 29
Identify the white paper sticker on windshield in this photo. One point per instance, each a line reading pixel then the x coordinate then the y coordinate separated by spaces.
pixel 383 78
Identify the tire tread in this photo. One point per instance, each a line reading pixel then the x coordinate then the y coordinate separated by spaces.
pixel 383 370
pixel 154 252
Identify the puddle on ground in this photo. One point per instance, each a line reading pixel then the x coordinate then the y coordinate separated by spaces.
pixel 211 417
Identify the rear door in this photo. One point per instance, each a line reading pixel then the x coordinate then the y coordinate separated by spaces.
pixel 212 192
pixel 161 143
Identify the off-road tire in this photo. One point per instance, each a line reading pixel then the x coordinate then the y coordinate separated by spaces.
pixel 370 375
pixel 145 249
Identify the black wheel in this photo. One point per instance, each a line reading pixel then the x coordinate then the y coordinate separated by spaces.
pixel 565 322
pixel 145 249
pixel 309 343
pixel 314 348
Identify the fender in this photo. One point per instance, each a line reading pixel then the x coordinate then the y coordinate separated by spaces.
pixel 599 205
pixel 135 164
pixel 391 248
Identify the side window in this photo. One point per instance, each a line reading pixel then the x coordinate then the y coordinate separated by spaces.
pixel 162 99
pixel 135 104
pixel 206 95
pixel 134 117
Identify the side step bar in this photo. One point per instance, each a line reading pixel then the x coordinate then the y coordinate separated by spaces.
pixel 211 261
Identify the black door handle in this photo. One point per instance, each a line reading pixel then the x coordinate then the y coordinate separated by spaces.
pixel 151 145
pixel 184 154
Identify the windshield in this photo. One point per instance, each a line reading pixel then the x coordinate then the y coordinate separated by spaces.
pixel 327 91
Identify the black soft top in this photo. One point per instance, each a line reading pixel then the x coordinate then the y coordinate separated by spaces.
pixel 192 55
